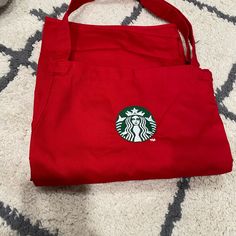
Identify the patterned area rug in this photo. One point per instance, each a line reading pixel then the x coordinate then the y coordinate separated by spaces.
pixel 188 206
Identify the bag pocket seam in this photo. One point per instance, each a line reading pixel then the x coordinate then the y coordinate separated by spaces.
pixel 37 121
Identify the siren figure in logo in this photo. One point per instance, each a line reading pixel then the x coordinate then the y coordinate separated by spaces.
pixel 137 125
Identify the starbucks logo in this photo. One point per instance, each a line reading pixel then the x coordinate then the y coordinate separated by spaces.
pixel 135 124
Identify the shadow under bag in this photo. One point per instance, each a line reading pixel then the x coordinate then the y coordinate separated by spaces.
pixel 117 103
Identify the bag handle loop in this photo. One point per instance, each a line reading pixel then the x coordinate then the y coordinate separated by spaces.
pixel 164 10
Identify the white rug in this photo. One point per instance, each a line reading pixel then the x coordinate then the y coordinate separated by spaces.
pixel 197 206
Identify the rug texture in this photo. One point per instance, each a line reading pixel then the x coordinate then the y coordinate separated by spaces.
pixel 188 206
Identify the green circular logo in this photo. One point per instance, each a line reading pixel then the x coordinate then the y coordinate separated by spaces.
pixel 135 124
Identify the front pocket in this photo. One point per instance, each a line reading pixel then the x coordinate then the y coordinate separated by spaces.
pixel 42 91
pixel 49 84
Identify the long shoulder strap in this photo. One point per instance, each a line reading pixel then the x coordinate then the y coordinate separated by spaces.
pixel 164 10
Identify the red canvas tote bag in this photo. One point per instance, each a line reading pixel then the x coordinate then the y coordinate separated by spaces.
pixel 117 103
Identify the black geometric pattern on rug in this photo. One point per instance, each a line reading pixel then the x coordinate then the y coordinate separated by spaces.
pixel 21 57
pixel 174 210
pixel 21 224
pixel 5 7
pixel 224 91
pixel 134 15
pixel 213 9
pixel 18 58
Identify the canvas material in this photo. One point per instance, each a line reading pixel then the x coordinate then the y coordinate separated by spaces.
pixel 80 90
pixel 177 206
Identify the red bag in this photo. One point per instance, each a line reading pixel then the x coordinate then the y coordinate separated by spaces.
pixel 116 103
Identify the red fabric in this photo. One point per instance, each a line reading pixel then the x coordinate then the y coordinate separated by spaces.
pixel 88 74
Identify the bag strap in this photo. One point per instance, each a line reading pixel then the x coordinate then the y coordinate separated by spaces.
pixel 164 10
